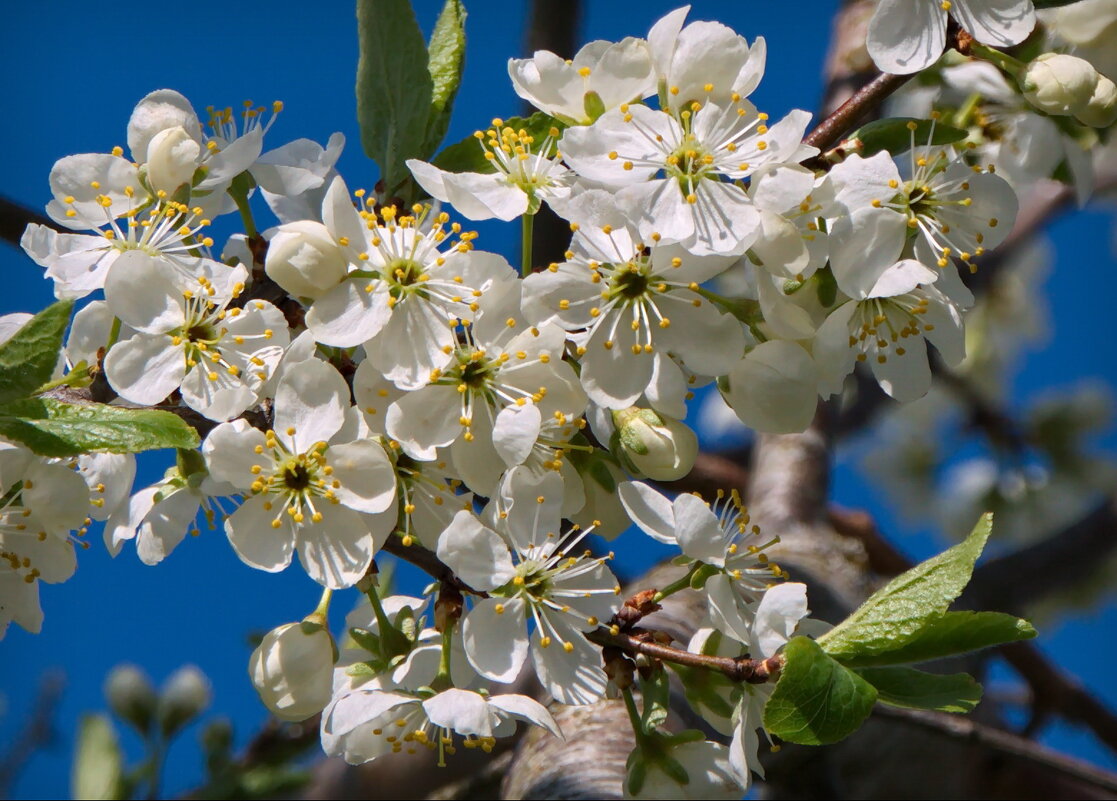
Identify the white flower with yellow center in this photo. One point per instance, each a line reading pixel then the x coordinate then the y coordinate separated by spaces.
pixel 950 209
pixel 188 338
pixel 533 576
pixel 719 536
pixel 170 232
pixel 365 724
pixel 678 177
pixel 523 176
pixel 633 306
pixel 313 483
pixel 887 327
pixel 602 76
pixel 488 404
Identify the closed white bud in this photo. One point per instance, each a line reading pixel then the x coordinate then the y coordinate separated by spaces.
pixel 131 696
pixel 654 445
pixel 292 670
pixel 160 110
pixel 1059 84
pixel 1101 111
pixel 185 695
pixel 305 260
pixel 172 158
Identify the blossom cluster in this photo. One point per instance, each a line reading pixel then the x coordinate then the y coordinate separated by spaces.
pixel 373 380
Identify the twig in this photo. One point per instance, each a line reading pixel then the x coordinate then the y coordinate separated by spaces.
pixel 36 733
pixel 829 132
pixel 752 671
pixel 1002 742
pixel 15 217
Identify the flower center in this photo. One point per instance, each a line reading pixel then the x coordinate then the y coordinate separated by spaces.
pixel 630 283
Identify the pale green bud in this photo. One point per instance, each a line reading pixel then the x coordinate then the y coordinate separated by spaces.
pixel 292 669
pixel 131 696
pixel 185 695
pixel 654 445
pixel 1101 111
pixel 1059 84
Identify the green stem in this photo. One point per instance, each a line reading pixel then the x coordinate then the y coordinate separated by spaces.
pixel 156 767
pixel 525 261
pixel 1013 66
pixel 675 586
pixel 392 641
pixel 241 199
pixel 633 715
pixel 964 114
pixel 442 680
pixel 323 607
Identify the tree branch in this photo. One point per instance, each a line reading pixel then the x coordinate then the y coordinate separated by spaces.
pixel 743 669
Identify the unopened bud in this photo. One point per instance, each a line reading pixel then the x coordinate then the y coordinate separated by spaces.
pixel 654 445
pixel 1059 84
pixel 305 260
pixel 292 669
pixel 185 695
pixel 1101 111
pixel 131 696
pixel 172 157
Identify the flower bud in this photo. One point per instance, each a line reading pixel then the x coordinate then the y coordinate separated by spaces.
pixel 1059 84
pixel 172 157
pixel 654 445
pixel 131 696
pixel 185 695
pixel 1101 111
pixel 160 110
pixel 305 260
pixel 292 670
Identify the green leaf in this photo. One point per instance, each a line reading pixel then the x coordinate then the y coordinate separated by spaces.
pixel 816 701
pixel 953 633
pixel 656 696
pixel 27 360
pixel 53 428
pixel 893 615
pixel 914 689
pixel 97 761
pixel 394 87
pixel 895 136
pixel 468 155
pixel 446 58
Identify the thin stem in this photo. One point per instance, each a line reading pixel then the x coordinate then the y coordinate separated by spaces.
pixel 633 713
pixel 241 199
pixel 675 586
pixel 323 608
pixel 114 333
pixel 525 261
pixel 443 681
pixel 964 115
pixel 1013 66
pixel 753 671
pixel 393 642
pixel 156 767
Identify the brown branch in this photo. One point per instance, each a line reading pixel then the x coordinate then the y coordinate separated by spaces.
pixel 751 671
pixel 1003 742
pixel 15 217
pixel 829 132
pixel 36 733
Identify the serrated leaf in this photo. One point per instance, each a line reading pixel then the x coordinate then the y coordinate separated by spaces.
pixel 895 613
pixel 394 87
pixel 28 358
pixel 53 428
pixel 97 760
pixel 446 59
pixel 894 135
pixel 957 693
pixel 468 155
pixel 953 633
pixel 817 701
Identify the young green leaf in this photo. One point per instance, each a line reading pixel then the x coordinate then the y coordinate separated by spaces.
pixel 446 58
pixel 953 633
pixel 817 701
pixel 896 136
pixel 53 428
pixel 97 762
pixel 914 689
pixel 895 613
pixel 27 360
pixel 394 87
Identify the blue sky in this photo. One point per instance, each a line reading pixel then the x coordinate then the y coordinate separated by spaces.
pixel 72 80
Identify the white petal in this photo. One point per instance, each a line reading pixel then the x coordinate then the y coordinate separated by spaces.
pixel 649 510
pixel 347 315
pixel 312 399
pixel 515 432
pixel 496 643
pixel 570 677
pixel 460 711
pixel 426 419
pixel 697 530
pixel 250 532
pixel 726 607
pixel 906 36
pixel 475 553
pixel 145 369
pixel 775 387
pixel 337 551
pixel 1000 23
pixel 368 481
pixel 143 292
pixel 528 709
pixel 779 612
